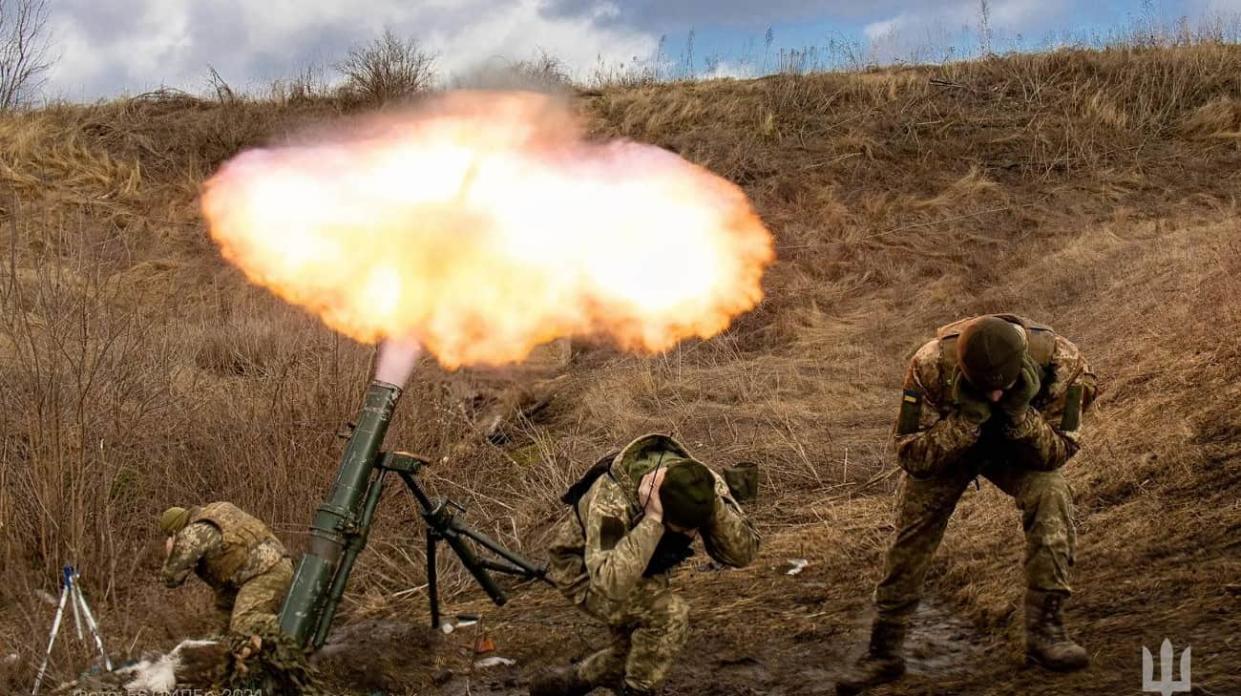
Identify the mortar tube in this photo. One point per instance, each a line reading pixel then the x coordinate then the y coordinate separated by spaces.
pixel 353 547
pixel 338 515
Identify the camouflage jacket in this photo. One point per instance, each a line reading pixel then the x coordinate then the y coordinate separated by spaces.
pixel 943 439
pixel 606 545
pixel 222 545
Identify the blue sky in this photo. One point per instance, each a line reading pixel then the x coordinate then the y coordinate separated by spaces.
pixel 926 34
pixel 111 47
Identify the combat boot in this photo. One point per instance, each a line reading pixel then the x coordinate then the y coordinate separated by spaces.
pixel 882 662
pixel 1047 642
pixel 560 681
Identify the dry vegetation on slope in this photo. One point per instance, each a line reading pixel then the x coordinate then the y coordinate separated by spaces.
pixel 1095 191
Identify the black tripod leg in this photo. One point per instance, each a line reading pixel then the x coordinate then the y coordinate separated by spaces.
pixel 433 593
pixel 470 560
pixel 527 568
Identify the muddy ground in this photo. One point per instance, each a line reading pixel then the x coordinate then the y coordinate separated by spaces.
pixel 804 656
pixel 761 631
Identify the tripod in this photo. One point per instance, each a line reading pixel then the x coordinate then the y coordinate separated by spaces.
pixel 442 525
pixel 71 592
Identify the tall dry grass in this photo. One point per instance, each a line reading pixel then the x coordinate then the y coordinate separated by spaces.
pixel 137 370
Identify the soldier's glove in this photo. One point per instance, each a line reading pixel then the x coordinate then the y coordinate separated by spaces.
pixel 1016 401
pixel 972 406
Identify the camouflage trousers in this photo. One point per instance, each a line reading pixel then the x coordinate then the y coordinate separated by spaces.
pixel 648 631
pixel 252 608
pixel 1046 505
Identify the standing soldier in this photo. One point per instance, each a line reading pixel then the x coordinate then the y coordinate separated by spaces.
pixel 1001 397
pixel 234 553
pixel 635 517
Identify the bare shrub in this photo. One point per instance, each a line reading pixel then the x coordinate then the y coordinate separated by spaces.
pixel 24 59
pixel 635 73
pixel 216 83
pixel 388 69
pixel 308 85
pixel 544 70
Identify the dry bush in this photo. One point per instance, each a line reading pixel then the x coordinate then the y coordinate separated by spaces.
pixel 627 75
pixel 544 71
pixel 309 85
pixel 541 73
pixel 24 58
pixel 388 69
pixel 1218 119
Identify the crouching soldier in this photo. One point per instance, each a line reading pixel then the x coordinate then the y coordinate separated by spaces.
pixel 635 516
pixel 234 553
pixel 1001 397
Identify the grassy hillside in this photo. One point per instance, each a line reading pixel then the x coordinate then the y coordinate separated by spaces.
pixel 1097 192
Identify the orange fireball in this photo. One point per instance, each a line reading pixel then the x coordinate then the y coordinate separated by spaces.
pixel 484 225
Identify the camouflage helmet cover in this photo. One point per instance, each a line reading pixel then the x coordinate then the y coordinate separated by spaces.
pixel 174 520
pixel 990 351
pixel 688 494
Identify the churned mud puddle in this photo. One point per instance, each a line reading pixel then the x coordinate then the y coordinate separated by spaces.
pixel 940 644
pixel 392 657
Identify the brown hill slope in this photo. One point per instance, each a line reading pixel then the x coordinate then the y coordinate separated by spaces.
pixel 1094 191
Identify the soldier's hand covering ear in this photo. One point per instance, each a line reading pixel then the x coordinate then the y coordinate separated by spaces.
pixel 972 406
pixel 1016 400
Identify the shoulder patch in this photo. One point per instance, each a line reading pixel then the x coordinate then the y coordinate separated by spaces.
pixel 611 531
pixel 911 413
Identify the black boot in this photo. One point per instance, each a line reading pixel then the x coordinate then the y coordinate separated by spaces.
pixel 882 662
pixel 560 681
pixel 1047 641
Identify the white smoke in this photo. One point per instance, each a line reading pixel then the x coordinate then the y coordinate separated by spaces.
pixel 396 361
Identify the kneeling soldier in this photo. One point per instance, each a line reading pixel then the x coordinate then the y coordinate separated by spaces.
pixel 234 553
pixel 1001 397
pixel 635 517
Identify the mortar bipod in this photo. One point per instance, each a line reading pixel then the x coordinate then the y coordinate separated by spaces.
pixel 442 524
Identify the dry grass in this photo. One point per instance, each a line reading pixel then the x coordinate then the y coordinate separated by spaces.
pixel 1093 190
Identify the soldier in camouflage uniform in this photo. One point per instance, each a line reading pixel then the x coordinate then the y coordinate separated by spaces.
pixel 1000 397
pixel 634 517
pixel 234 553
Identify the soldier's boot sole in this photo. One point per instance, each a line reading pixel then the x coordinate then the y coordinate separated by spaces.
pixel 871 673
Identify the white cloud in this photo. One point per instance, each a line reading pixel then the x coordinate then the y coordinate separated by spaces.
pixel 737 70
pixel 521 29
pixel 884 27
pixel 934 30
pixel 143 44
pixel 1224 7
pixel 113 46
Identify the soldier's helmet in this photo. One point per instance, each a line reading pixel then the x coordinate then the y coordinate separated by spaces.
pixel 174 520
pixel 990 352
pixel 688 494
